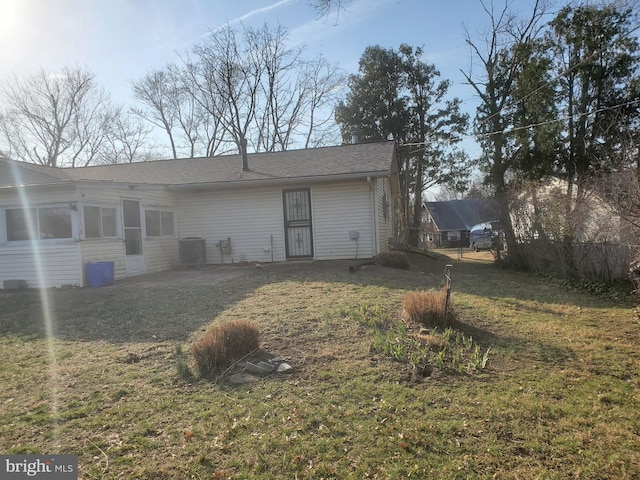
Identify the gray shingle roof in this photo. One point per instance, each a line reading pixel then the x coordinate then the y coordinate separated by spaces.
pixel 461 214
pixel 21 173
pixel 347 160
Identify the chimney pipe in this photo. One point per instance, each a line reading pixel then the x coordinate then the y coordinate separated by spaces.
pixel 243 152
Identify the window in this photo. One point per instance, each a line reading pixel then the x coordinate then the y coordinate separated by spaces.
pixel 18 223
pixel 48 223
pixel 166 221
pixel 99 222
pixel 385 206
pixel 159 223
pixel 453 235
pixel 152 221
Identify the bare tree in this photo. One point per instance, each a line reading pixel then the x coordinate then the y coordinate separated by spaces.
pixel 324 83
pixel 226 74
pixel 156 92
pixel 324 7
pixel 283 94
pixel 169 103
pixel 55 119
pixel 299 96
pixel 242 85
pixel 496 65
pixel 129 141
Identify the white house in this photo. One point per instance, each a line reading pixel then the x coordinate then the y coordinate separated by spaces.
pixel 320 204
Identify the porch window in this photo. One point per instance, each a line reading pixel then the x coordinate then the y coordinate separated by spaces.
pixel 48 223
pixel 159 223
pixel 99 222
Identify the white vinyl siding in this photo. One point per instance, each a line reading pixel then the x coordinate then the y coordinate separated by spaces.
pixel 249 217
pixel 252 218
pixel 105 250
pixel 56 261
pixel 59 264
pixel 160 253
pixel 383 214
pixel 339 209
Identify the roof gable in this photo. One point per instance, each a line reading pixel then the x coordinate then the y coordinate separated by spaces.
pixel 461 214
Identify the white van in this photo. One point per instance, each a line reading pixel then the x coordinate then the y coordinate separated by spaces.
pixel 485 236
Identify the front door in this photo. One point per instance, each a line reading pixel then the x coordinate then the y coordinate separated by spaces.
pixel 297 223
pixel 134 259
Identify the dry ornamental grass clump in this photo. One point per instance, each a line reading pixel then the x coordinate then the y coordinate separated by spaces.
pixel 393 260
pixel 428 307
pixel 223 344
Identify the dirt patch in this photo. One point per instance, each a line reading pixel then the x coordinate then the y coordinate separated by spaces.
pixel 173 305
pixel 207 275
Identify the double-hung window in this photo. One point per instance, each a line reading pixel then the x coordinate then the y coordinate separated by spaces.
pixel 159 223
pixel 99 222
pixel 41 223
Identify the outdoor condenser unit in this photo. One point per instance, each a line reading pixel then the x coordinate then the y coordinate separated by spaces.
pixel 193 251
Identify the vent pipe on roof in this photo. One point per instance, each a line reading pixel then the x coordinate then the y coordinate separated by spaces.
pixel 354 138
pixel 243 153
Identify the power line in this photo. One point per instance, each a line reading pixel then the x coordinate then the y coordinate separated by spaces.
pixel 531 125
pixel 557 76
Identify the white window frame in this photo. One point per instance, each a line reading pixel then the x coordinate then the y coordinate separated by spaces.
pixel 37 208
pixel 117 230
pixel 160 212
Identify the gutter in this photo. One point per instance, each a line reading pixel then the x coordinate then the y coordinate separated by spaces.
pixel 367 176
pixel 278 181
pixel 80 182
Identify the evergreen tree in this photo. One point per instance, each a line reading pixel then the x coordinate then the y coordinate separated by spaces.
pixel 397 95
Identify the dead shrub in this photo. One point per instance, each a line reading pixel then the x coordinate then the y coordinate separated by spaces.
pixel 427 307
pixel 223 344
pixel 393 260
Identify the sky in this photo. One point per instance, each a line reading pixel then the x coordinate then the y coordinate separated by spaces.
pixel 122 40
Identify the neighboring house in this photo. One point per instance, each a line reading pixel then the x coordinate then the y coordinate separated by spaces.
pixel 447 224
pixel 539 213
pixel 602 244
pixel 320 204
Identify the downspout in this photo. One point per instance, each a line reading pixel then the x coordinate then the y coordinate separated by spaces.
pixel 374 217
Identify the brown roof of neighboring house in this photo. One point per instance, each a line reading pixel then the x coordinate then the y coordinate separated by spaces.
pixel 364 159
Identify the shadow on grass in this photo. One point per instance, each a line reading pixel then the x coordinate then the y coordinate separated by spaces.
pixel 119 315
pixel 520 348
pixel 129 312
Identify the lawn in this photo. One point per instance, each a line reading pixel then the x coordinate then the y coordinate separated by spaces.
pixel 558 397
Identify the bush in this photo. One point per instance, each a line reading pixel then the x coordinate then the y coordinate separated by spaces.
pixel 393 260
pixel 428 308
pixel 224 344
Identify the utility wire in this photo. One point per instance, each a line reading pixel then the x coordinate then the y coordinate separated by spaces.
pixel 531 125
pixel 556 77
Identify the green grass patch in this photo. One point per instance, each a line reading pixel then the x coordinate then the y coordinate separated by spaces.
pixel 557 397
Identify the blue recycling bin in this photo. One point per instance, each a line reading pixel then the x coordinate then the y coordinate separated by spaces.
pixel 100 274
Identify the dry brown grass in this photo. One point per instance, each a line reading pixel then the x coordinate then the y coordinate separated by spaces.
pixel 393 260
pixel 433 342
pixel 427 307
pixel 223 344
